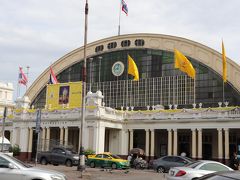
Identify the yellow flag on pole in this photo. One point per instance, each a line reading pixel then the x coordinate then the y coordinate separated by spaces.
pixel 183 64
pixel 132 68
pixel 224 63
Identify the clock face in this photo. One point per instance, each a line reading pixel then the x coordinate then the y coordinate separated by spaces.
pixel 118 68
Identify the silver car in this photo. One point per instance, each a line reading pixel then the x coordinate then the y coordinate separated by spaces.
pixel 13 169
pixel 196 169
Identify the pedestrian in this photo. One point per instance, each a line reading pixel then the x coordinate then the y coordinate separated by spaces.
pixel 183 154
pixel 129 158
pixel 234 162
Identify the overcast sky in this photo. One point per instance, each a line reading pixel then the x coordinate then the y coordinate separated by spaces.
pixel 36 33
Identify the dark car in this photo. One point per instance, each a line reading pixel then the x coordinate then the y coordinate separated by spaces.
pixel 222 175
pixel 57 156
pixel 163 164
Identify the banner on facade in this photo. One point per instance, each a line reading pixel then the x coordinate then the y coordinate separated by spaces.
pixel 64 94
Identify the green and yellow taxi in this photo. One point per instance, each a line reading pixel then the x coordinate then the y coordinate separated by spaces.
pixel 107 159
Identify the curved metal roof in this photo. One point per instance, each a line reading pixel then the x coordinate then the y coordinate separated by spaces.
pixel 195 50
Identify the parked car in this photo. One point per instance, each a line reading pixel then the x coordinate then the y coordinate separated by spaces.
pixel 163 164
pixel 224 175
pixel 107 159
pixel 12 169
pixel 196 170
pixel 58 155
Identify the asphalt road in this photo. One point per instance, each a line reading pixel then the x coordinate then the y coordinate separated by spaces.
pixel 100 174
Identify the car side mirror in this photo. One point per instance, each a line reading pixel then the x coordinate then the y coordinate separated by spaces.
pixel 11 166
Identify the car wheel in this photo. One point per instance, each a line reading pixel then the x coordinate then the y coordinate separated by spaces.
pixel 160 169
pixel 43 161
pixel 114 166
pixel 92 165
pixel 68 163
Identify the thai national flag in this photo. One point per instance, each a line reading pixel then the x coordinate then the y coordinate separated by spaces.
pixel 22 79
pixel 53 79
pixel 124 7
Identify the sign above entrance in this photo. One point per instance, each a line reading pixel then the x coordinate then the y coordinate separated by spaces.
pixel 118 68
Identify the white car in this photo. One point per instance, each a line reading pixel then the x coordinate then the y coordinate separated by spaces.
pixel 6 146
pixel 13 169
pixel 196 170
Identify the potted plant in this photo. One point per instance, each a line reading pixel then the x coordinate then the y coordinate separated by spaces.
pixel 16 150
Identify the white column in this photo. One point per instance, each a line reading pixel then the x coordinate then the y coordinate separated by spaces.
pixel 131 138
pixel 194 144
pixel 147 143
pixel 66 136
pixel 48 138
pixel 226 143
pixel 175 142
pixel 24 134
pixel 220 144
pixel 43 138
pixel 169 142
pixel 30 138
pixel 61 135
pixel 14 136
pixel 152 142
pixel 123 142
pixel 101 139
pixel 199 143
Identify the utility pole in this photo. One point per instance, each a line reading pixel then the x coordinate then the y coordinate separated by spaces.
pixel 81 165
pixel 3 126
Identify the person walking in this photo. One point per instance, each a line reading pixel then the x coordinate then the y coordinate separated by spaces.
pixel 129 158
pixel 234 162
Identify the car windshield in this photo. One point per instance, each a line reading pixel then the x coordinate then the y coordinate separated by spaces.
pixel 189 159
pixel 18 162
pixel 193 164
pixel 115 156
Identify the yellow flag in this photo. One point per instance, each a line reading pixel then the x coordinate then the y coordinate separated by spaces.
pixel 183 64
pixel 52 96
pixel 75 96
pixel 224 63
pixel 132 68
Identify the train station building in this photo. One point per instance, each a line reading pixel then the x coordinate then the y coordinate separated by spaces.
pixel 165 113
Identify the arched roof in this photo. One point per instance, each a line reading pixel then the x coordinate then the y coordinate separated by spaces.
pixel 195 50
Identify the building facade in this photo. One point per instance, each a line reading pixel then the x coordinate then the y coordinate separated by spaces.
pixel 6 97
pixel 164 113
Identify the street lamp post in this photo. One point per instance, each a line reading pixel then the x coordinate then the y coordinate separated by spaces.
pixel 3 127
pixel 81 165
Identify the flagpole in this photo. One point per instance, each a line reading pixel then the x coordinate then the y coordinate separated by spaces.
pixel 194 89
pixel 81 162
pixel 119 18
pixel 18 87
pixel 27 77
pixel 223 92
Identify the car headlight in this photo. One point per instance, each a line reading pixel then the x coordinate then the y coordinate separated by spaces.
pixel 56 177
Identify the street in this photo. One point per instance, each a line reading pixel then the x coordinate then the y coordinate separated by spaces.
pixel 100 174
